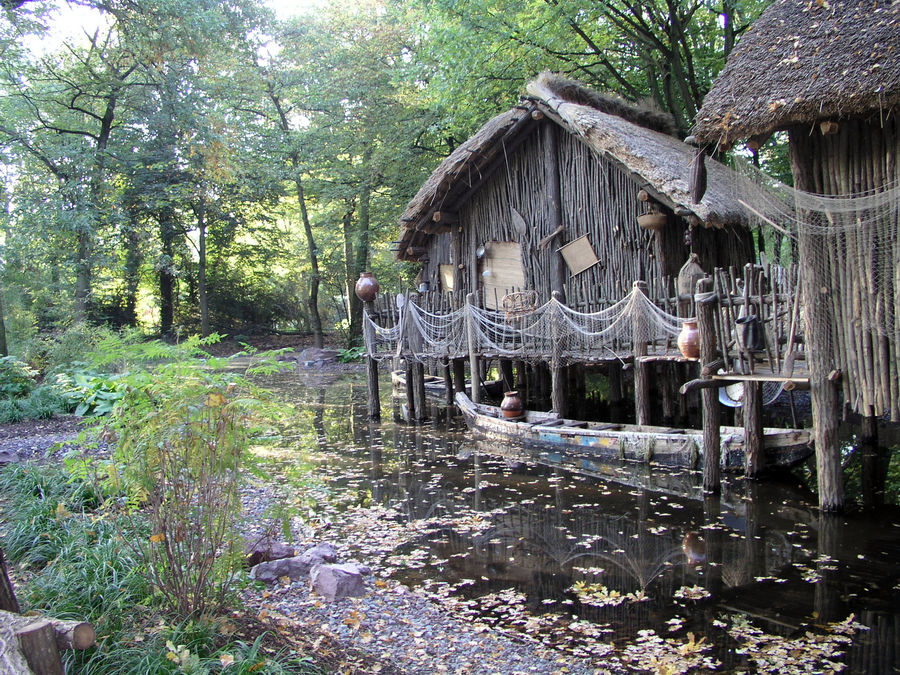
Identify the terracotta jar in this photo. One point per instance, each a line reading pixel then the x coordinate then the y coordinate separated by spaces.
pixel 366 287
pixel 511 405
pixel 689 339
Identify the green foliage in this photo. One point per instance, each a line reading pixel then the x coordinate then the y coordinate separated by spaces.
pixel 79 568
pixel 91 394
pixel 42 403
pixel 17 378
pixel 351 354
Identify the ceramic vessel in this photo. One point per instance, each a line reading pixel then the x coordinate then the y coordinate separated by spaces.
pixel 689 340
pixel 366 287
pixel 511 405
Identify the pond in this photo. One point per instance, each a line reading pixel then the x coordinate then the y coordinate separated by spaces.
pixel 620 558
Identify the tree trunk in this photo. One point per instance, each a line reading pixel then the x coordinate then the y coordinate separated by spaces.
pixel 200 210
pixel 4 350
pixel 166 277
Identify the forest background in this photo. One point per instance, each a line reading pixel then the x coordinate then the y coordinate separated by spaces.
pixel 188 166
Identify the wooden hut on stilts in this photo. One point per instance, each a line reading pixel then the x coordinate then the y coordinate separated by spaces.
pixel 828 73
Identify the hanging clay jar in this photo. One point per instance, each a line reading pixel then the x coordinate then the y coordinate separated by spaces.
pixel 511 405
pixel 689 339
pixel 366 287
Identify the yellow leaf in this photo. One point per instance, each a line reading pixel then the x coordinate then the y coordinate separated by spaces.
pixel 215 400
pixel 62 511
pixel 158 537
pixel 226 660
pixel 262 615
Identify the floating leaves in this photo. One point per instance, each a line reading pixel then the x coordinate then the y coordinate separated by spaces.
pixel 691 593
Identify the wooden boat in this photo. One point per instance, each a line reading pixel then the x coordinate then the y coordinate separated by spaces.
pixel 663 446
pixel 434 385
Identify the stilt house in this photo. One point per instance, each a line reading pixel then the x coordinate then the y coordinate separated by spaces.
pixel 548 196
pixel 828 73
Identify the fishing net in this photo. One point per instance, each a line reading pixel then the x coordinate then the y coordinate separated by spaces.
pixel 849 248
pixel 550 332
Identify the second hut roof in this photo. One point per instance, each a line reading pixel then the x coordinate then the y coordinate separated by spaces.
pixel 612 128
pixel 803 61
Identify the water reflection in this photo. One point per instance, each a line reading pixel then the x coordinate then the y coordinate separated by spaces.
pixel 516 540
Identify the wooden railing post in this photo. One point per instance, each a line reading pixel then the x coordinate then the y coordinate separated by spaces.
pixel 474 372
pixel 707 305
pixel 558 381
pixel 374 399
pixel 641 383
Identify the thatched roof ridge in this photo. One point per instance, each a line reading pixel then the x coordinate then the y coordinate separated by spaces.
pixel 641 114
pixel 803 61
pixel 661 161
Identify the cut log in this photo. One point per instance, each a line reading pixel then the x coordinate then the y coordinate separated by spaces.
pixel 67 634
pixel 38 645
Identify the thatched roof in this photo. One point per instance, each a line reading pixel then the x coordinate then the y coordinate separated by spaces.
pixel 659 160
pixel 804 61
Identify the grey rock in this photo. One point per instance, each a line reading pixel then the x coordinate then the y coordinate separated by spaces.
pixel 264 549
pixel 333 582
pixel 7 457
pixel 295 567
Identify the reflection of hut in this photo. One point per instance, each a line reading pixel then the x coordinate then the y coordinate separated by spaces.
pixel 829 74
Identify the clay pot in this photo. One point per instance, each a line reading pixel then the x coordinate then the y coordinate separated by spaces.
pixel 511 405
pixel 652 221
pixel 689 339
pixel 366 287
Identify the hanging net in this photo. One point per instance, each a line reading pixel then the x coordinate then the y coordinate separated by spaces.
pixel 550 332
pixel 849 250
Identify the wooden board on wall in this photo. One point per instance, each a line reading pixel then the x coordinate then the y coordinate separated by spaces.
pixel 445 273
pixel 501 271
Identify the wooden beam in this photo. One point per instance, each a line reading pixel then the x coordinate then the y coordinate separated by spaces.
pixel 712 440
pixel 445 217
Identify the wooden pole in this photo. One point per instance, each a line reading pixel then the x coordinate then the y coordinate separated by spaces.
pixel 8 602
pixel 418 386
pixel 554 206
pixel 706 323
pixel 459 375
pixel 448 384
pixel 474 370
pixel 506 373
pixel 754 461
pixel 641 381
pixel 558 381
pixel 374 399
pixel 410 396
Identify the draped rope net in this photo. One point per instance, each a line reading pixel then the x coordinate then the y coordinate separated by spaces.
pixel 852 245
pixel 551 331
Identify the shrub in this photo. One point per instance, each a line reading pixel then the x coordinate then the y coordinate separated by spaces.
pixel 43 403
pixel 17 378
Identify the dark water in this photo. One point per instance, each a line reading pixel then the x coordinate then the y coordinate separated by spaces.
pixel 519 543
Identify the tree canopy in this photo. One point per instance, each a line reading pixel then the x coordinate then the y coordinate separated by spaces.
pixel 209 165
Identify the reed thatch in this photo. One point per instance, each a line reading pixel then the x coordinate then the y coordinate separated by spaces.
pixel 806 61
pixel 658 160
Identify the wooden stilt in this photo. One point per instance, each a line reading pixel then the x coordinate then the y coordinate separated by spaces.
pixel 522 383
pixel 666 377
pixel 506 372
pixel 418 386
pixel 754 461
pixel 641 381
pixel 459 375
pixel 614 380
pixel 706 311
pixel 474 369
pixel 410 396
pixel 448 384
pixel 558 380
pixel 374 398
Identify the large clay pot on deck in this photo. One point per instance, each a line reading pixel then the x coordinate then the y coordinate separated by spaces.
pixel 689 339
pixel 511 405
pixel 366 287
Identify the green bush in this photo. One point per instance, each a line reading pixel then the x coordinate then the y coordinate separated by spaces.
pixel 42 403
pixel 90 394
pixel 17 378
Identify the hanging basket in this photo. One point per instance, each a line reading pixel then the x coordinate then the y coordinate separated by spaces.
pixel 652 221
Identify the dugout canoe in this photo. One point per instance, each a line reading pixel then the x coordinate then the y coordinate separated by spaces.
pixel 662 446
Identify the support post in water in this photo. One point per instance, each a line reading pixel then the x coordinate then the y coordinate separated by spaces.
pixel 558 383
pixel 753 429
pixel 367 290
pixel 706 322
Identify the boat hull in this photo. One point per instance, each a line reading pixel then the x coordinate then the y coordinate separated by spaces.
pixel 676 448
